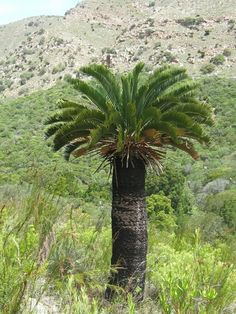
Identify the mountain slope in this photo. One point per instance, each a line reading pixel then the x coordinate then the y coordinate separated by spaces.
pixel 36 52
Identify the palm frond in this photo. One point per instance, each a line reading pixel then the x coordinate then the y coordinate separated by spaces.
pixel 107 79
pixel 200 112
pixel 93 94
pixel 183 88
pixel 162 80
pixel 64 115
pixel 72 146
pixel 134 80
pixel 52 129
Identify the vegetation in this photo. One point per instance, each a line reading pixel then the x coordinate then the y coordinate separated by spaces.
pixel 190 21
pixel 207 68
pixel 58 68
pixel 218 60
pixel 190 262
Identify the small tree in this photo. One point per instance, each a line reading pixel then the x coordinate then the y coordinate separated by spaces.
pixel 130 124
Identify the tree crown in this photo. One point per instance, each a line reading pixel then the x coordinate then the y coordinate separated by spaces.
pixel 128 117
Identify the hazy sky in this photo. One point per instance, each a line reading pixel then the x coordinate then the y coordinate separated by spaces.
pixel 13 10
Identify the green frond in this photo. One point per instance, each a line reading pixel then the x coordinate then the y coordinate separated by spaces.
pixel 52 129
pixel 165 128
pixel 197 132
pixel 108 81
pixel 131 118
pixel 182 89
pixel 64 104
pixel 97 134
pixel 64 115
pixel 161 80
pixel 178 119
pixel 134 80
pixel 120 139
pixel 71 147
pixel 140 98
pixel 200 112
pixel 186 146
pixel 67 133
pixel 151 114
pixel 92 94
pixel 126 93
pixel 166 76
pixel 107 128
pixel 81 126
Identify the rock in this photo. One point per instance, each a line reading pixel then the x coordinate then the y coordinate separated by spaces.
pixel 187 169
pixel 47 305
pixel 216 186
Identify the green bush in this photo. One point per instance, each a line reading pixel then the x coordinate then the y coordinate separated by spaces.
pixel 191 278
pixel 190 21
pixel 152 4
pixel 172 184
pixel 58 68
pixel 218 60
pixel 160 211
pixel 207 68
pixel 109 50
pixel 26 75
pixel 227 52
pixel 2 88
pixel 224 204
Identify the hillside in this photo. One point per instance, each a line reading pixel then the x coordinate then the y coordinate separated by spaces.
pixel 41 50
pixel 55 219
pixel 25 153
pixel 55 216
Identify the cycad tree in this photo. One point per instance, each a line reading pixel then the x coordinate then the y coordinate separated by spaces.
pixel 130 122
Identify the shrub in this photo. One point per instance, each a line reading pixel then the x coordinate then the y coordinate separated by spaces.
pixel 207 68
pixel 227 52
pixel 207 32
pixel 26 75
pixel 168 56
pixel 2 88
pixel 172 184
pixel 67 77
pixel 109 50
pixel 42 72
pixel 224 204
pixel 160 211
pixel 218 59
pixel 41 31
pixel 157 45
pixel 42 40
pixel 151 4
pixel 191 278
pixel 58 68
pixel 190 21
pixel 231 25
pixel 27 51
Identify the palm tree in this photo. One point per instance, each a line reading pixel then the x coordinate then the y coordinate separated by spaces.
pixel 130 121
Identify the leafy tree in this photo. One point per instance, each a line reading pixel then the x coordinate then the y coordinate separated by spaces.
pixel 130 123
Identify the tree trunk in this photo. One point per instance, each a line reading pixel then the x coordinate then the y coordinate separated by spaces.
pixel 129 229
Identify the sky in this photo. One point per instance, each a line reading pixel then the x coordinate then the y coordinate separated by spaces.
pixel 13 10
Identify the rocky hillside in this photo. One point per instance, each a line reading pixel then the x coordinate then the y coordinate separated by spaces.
pixel 200 35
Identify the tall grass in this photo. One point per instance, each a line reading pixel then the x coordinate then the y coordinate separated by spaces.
pixel 56 252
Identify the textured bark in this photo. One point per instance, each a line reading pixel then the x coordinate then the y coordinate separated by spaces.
pixel 129 229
